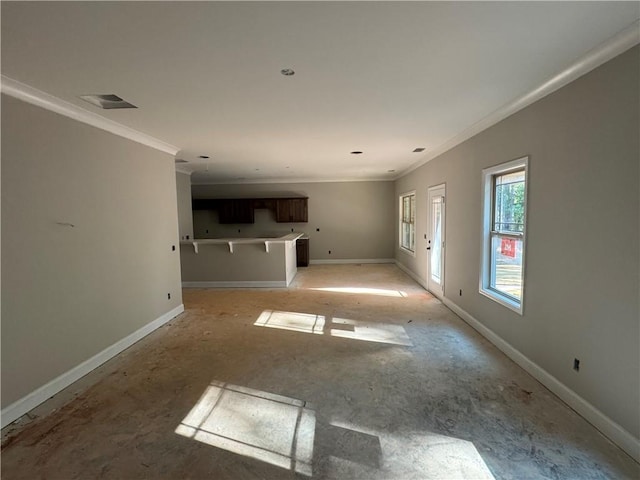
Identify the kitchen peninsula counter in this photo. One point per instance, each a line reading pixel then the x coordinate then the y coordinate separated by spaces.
pixel 265 261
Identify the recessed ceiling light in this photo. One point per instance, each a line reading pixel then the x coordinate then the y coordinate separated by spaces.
pixel 356 152
pixel 257 169
pixel 204 157
pixel 418 150
pixel 107 101
pixel 390 171
pixel 287 72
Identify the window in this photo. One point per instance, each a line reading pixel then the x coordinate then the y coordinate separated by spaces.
pixel 504 233
pixel 408 221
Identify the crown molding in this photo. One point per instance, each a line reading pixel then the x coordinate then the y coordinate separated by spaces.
pixel 258 181
pixel 44 100
pixel 619 43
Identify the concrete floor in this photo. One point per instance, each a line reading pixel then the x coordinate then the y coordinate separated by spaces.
pixel 354 372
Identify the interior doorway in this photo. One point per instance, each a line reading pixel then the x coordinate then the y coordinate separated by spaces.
pixel 436 239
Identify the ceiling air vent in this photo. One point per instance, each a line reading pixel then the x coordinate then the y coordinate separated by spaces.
pixel 107 101
pixel 180 160
pixel 418 150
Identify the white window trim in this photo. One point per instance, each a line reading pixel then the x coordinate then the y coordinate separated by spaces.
pixel 485 257
pixel 403 249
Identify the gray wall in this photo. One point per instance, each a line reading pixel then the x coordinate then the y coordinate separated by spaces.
pixel 69 292
pixel 582 257
pixel 185 217
pixel 353 217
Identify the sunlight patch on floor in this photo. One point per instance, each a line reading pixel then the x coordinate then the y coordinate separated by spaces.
pixel 336 327
pixel 271 428
pixel 365 291
pixel 298 322
pixel 424 455
pixel 370 331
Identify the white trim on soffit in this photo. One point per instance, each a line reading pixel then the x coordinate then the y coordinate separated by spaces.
pixel 38 396
pixel 44 100
pixel 292 180
pixel 608 427
pixel 619 43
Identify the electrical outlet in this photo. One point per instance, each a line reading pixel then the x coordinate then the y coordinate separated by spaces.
pixel 168 296
pixel 329 252
pixel 460 292
pixel 576 364
pixel 317 229
pixel 173 248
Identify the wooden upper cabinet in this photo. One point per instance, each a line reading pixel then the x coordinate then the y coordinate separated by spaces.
pixel 242 210
pixel 235 211
pixel 292 210
pixel 203 204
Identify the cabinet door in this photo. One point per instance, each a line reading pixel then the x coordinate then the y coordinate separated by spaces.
pixel 302 252
pixel 299 210
pixel 203 204
pixel 236 211
pixel 283 210
pixel 291 210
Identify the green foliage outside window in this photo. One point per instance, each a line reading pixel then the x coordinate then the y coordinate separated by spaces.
pixel 509 202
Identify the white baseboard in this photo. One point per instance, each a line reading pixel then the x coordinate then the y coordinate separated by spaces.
pixel 238 284
pixel 412 274
pixel 38 396
pixel 341 261
pixel 608 427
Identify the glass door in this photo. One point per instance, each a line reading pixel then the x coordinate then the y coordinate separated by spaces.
pixel 436 240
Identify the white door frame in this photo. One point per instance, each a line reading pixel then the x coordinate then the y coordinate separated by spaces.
pixel 436 194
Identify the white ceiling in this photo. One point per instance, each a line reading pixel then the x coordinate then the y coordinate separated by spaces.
pixel 380 77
